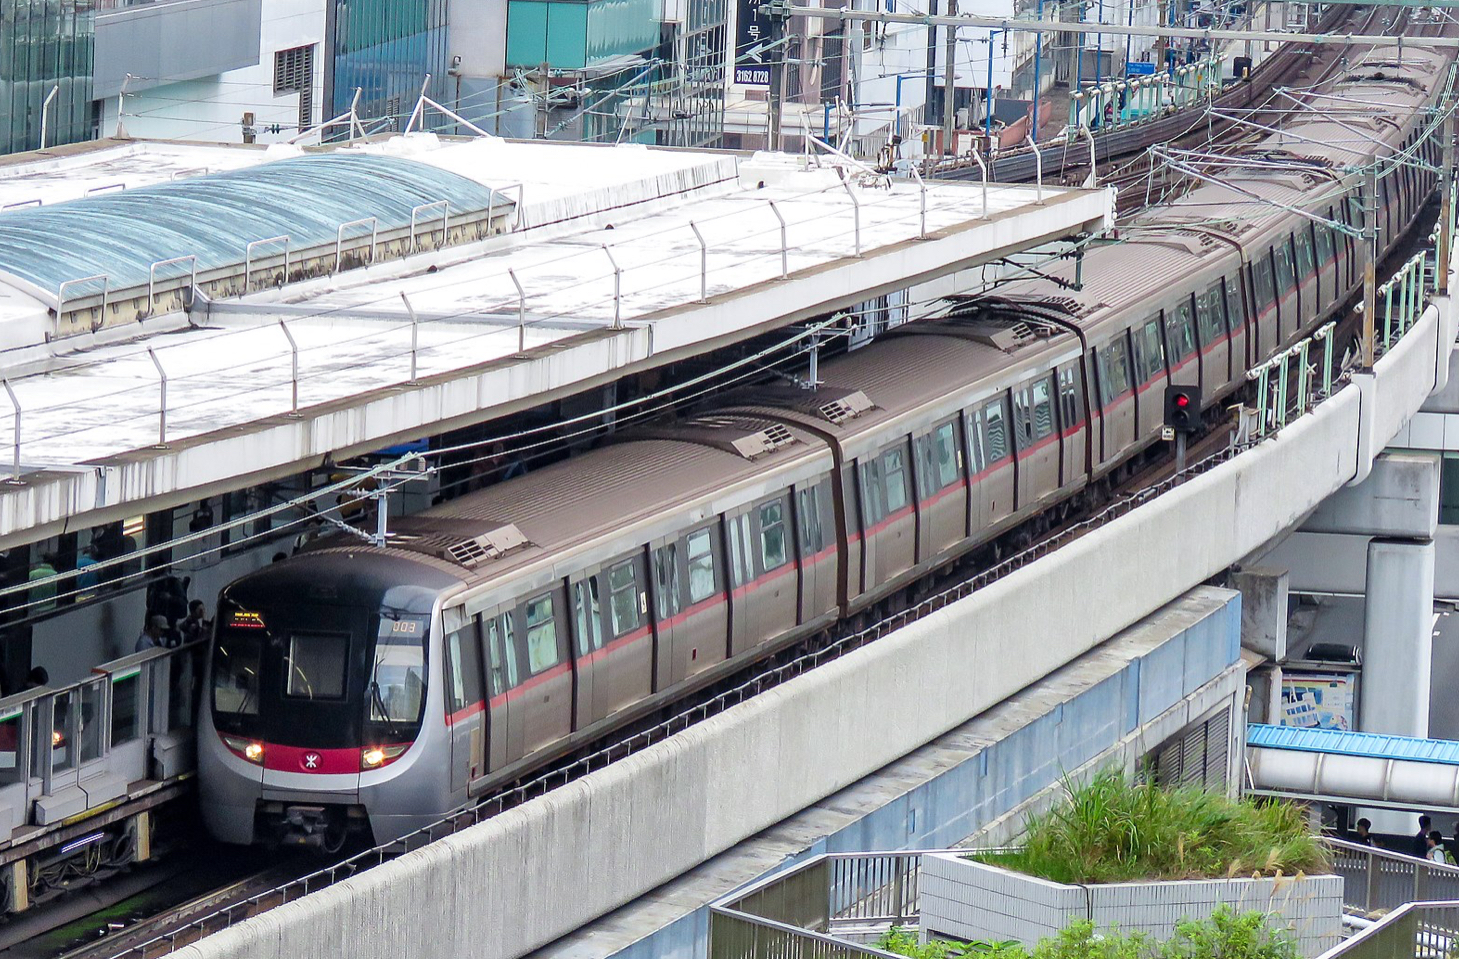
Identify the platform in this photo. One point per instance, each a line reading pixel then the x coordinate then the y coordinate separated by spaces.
pixel 613 279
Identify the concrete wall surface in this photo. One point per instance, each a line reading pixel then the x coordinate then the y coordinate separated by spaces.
pixel 545 868
pixel 962 899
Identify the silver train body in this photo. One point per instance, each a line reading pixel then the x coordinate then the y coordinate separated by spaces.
pixel 354 688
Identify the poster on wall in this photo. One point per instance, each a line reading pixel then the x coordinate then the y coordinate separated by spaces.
pixel 752 31
pixel 1318 700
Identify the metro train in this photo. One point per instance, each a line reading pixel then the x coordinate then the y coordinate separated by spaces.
pixel 355 689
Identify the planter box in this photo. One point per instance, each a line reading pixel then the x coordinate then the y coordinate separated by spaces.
pixel 962 899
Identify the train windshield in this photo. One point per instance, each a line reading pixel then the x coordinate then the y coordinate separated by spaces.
pixel 397 693
pixel 237 661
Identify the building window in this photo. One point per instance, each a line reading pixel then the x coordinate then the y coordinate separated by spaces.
pixel 1449 490
pixel 294 73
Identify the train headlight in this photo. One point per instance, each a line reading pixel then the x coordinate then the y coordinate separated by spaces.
pixel 247 748
pixel 373 757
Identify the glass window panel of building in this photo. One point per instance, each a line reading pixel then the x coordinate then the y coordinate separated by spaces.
pixel 45 45
pixel 385 48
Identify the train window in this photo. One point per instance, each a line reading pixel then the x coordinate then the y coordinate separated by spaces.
pixel 12 767
pixel 872 507
pixel 236 663
pixel 1356 214
pixel 542 653
pixel 1150 350
pixel 1180 330
pixel 741 566
pixel 1282 257
pixel 773 548
pixel 398 676
pixel 701 566
pixel 808 513
pixel 463 658
pixel 126 710
pixel 1022 419
pixel 1069 405
pixel 1305 265
pixel 63 735
pixel 1261 273
pixel 1208 314
pixel 315 665
pixel 1324 242
pixel 995 425
pixel 973 423
pixel 1235 310
pixel 1043 407
pixel 623 599
pixel 666 578
pixel 502 650
pixel 1114 365
pixel 894 472
pixel 587 611
pixel 88 733
pixel 943 468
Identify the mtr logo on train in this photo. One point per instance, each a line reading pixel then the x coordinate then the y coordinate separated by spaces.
pixel 1182 410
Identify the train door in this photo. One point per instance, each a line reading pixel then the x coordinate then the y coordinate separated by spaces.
pixel 941 491
pixel 667 603
pixel 1071 424
pixel 613 639
pixel 816 531
pixel 503 677
pixel 1307 289
pixel 465 713
pixel 1288 310
pixel 1215 343
pixel 993 470
pixel 1150 374
pixel 585 591
pixel 1236 322
pixel 775 607
pixel 1116 397
pixel 1264 291
pixel 1182 357
pixel 892 537
pixel 1328 289
pixel 741 580
pixel 1035 439
pixel 700 634
pixel 545 700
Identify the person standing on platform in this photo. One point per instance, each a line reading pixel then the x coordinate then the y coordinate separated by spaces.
pixel 1421 839
pixel 1362 835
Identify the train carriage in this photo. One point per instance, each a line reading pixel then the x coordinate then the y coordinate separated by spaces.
pixel 378 689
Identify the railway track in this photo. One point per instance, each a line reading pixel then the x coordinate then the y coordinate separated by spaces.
pixel 1122 155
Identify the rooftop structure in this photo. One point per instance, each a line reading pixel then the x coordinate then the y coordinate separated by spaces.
pixel 180 316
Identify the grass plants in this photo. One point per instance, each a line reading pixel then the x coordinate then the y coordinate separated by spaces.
pixel 1115 829
pixel 1226 935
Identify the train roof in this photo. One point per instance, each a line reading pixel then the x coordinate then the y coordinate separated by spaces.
pixel 913 366
pixel 647 472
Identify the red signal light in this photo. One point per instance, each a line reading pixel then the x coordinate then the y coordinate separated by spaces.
pixel 1182 400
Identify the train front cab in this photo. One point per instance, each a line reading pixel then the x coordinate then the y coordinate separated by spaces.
pixel 319 705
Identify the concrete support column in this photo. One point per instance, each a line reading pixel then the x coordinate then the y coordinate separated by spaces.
pixel 1398 624
pixel 1398 618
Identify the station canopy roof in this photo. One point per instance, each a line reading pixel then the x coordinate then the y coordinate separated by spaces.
pixel 215 216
